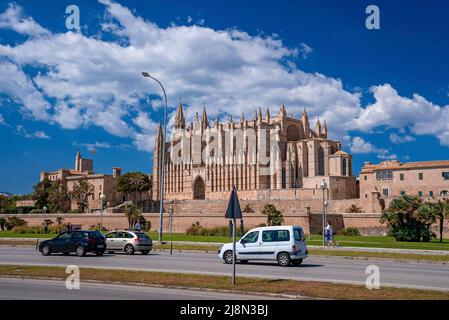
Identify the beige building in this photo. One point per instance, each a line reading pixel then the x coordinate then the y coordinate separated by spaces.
pixel 393 178
pixel 271 157
pixel 102 183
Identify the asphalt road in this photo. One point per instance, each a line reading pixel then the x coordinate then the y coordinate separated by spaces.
pixel 330 269
pixel 33 289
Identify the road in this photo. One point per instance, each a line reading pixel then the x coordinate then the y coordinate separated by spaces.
pixel 421 275
pixel 37 289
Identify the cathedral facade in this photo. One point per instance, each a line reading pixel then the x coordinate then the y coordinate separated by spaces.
pixel 267 157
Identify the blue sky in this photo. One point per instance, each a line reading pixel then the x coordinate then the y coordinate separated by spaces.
pixel 384 93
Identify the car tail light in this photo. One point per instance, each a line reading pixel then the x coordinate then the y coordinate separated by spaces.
pixel 294 248
pixel 137 239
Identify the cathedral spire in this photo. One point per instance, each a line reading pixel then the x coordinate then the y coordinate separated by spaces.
pixel 180 121
pixel 243 117
pixel 268 115
pixel 325 129
pixel 282 112
pixel 204 121
pixel 318 128
pixel 216 122
pixel 305 123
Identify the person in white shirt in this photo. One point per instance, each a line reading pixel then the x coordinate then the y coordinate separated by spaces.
pixel 329 233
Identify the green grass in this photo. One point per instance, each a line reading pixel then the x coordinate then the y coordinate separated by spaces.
pixel 10 234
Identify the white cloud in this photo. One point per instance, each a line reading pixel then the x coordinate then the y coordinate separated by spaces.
pixel 392 110
pixel 13 19
pixel 305 50
pixel 397 139
pixel 41 135
pixel 88 80
pixel 360 145
pixel 2 120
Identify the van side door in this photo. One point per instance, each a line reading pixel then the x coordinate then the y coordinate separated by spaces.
pixel 268 245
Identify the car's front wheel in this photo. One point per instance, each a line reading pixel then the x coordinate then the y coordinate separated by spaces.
pixel 46 251
pixel 244 261
pixel 228 256
pixel 129 249
pixel 145 252
pixel 284 259
pixel 99 252
pixel 80 251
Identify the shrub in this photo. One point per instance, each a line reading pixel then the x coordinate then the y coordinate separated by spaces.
pixel 197 230
pixel 36 211
pixel 350 231
pixel 97 227
pixel 2 223
pixel 33 230
pixel 14 222
pixel 247 209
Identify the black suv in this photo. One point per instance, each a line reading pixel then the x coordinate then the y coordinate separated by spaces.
pixel 78 241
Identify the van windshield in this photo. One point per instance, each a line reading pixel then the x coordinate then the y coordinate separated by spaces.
pixel 298 234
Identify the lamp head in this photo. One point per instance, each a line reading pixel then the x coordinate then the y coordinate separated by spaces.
pixel 45 209
pixel 323 184
pixel 145 74
pixel 102 197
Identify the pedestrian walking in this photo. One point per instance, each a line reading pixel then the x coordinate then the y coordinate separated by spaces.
pixel 330 235
pixel 137 226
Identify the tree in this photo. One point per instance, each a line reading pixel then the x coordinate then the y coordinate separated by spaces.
pixel 2 223
pixel 133 214
pixel 58 197
pixel 59 221
pixel 41 193
pixel 406 221
pixel 81 192
pixel 353 209
pixel 274 216
pixel 133 184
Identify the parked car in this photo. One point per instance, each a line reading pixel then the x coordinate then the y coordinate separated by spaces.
pixel 78 241
pixel 128 241
pixel 284 244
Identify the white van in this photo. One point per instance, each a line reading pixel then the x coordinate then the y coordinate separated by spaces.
pixel 284 244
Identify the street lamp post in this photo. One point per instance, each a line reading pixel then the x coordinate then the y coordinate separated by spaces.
pixel 45 218
pixel 102 199
pixel 323 186
pixel 161 206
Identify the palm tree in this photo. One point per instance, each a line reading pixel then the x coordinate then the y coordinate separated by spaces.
pixel 353 209
pixel 133 184
pixel 438 211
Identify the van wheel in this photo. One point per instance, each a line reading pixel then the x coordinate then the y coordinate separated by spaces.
pixel 284 259
pixel 244 261
pixel 296 262
pixel 227 257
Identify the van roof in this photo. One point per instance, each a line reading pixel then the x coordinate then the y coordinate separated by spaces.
pixel 277 227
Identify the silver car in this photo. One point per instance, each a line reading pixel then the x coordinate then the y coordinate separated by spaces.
pixel 128 241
